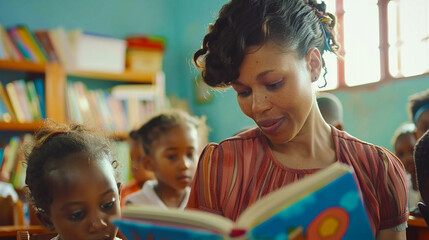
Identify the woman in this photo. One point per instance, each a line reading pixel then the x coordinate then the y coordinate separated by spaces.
pixel 270 52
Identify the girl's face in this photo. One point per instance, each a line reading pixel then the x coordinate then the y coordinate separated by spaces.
pixel 404 148
pixel 85 198
pixel 422 124
pixel 275 90
pixel 173 156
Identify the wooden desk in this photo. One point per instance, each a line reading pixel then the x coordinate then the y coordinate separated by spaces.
pixel 10 231
pixel 417 229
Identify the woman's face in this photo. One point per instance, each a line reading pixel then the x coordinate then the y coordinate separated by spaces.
pixel 275 90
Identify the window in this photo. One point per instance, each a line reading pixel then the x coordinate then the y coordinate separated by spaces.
pixel 380 40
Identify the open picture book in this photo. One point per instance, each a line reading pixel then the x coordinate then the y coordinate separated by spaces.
pixel 324 205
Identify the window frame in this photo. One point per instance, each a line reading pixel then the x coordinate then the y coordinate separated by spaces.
pixel 385 75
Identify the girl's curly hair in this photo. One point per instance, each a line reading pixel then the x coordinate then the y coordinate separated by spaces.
pixel 53 143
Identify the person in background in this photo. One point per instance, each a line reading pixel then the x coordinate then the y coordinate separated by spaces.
pixel 270 53
pixel 139 173
pixel 418 109
pixel 170 141
pixel 421 156
pixel 331 109
pixel 403 142
pixel 72 182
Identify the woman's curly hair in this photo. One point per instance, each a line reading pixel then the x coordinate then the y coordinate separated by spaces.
pixel 293 24
pixel 53 143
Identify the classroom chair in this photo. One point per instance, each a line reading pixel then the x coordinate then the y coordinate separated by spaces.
pixel 25 235
pixel 12 212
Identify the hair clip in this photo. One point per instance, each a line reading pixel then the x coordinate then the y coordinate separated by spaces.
pixel 50 135
pixel 327 45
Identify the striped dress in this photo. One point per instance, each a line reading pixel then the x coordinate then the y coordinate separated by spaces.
pixel 238 171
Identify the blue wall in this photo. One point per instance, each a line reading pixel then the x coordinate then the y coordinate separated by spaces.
pixel 371 114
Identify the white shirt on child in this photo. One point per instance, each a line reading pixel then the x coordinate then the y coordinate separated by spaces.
pixel 413 195
pixel 148 196
pixel 7 189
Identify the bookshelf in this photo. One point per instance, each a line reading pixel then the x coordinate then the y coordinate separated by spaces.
pixel 56 80
pixel 55 87
pixel 25 82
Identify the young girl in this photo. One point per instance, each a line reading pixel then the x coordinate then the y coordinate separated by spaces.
pixel 270 52
pixel 138 171
pixel 403 143
pixel 170 141
pixel 72 184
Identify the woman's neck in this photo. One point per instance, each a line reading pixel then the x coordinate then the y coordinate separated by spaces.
pixel 171 197
pixel 313 146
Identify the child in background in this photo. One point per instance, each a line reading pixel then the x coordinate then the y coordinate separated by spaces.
pixel 418 108
pixel 170 141
pixel 72 182
pixel 421 156
pixel 331 109
pixel 139 173
pixel 403 143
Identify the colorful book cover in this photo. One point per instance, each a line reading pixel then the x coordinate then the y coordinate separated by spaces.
pixel 31 41
pixel 34 100
pixel 23 48
pixel 47 45
pixel 21 90
pixel 73 111
pixel 324 205
pixel 1 158
pixel 19 172
pixel 14 100
pixel 10 157
pixel 10 48
pixel 10 114
pixel 39 84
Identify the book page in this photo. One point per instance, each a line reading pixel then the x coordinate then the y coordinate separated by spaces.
pixel 171 216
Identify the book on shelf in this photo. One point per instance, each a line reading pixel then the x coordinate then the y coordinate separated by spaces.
pixel 61 43
pixel 1 157
pixel 34 102
pixel 9 161
pixel 22 47
pixel 46 43
pixel 30 41
pixel 95 52
pixel 21 91
pixel 100 107
pixel 9 115
pixel 324 205
pixel 19 172
pixel 119 118
pixel 39 84
pixel 11 50
pixel 138 91
pixel 15 102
